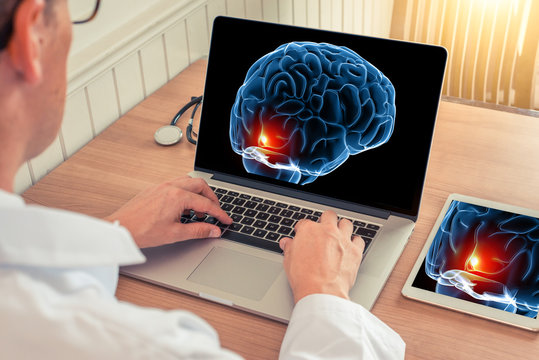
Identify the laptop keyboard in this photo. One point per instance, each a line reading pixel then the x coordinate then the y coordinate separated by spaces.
pixel 263 222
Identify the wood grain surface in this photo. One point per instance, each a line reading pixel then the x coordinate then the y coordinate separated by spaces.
pixel 476 151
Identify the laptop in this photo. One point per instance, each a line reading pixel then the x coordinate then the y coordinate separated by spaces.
pixel 297 121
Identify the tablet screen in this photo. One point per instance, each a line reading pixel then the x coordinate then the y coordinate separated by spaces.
pixel 485 256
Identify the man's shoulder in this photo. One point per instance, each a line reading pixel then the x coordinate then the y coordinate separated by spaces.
pixel 87 321
pixel 40 236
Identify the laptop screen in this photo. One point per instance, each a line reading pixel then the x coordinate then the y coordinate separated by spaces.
pixel 320 113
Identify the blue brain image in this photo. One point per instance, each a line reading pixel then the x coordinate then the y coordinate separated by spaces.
pixel 487 256
pixel 304 108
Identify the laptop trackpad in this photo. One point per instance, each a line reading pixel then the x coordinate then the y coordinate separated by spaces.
pixel 237 273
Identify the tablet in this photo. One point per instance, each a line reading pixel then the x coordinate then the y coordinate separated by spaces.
pixel 481 258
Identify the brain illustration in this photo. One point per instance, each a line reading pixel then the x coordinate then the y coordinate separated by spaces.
pixel 487 256
pixel 304 108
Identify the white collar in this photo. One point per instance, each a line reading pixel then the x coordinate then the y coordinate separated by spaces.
pixel 38 236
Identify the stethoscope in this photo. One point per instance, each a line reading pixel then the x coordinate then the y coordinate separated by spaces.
pixel 171 134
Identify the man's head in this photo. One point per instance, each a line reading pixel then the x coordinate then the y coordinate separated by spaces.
pixel 33 63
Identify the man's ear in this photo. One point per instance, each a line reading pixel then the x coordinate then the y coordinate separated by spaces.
pixel 24 47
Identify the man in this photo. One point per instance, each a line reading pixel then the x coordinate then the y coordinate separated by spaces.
pixel 58 270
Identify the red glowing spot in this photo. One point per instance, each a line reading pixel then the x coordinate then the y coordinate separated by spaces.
pixel 472 262
pixel 268 138
pixel 271 133
pixel 488 263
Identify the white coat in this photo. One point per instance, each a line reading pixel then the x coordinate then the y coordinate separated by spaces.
pixel 58 276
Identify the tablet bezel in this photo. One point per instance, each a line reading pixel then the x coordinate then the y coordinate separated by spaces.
pixel 461 305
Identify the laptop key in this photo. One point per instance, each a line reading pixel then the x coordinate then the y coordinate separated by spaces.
pixel 365 232
pixel 257 199
pixel 234 227
pixel 281 205
pixel 269 202
pixel 250 204
pixel 247 229
pixel 373 227
pixel 227 207
pixel 247 221
pixel 238 210
pixel 285 230
pixel 260 224
pixel 211 220
pixel 294 208
pixel 245 196
pixel 250 213
pixel 287 222
pixel 274 210
pixel 233 193
pixel 260 233
pixel 273 236
pixel 286 213
pixel 238 201
pixel 262 216
pixel 227 199
pixel 298 216
pixel 262 207
pixel 236 217
pixel 272 227
pixel 275 219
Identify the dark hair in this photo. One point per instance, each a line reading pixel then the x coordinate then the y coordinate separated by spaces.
pixel 7 12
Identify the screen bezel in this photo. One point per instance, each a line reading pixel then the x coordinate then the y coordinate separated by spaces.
pixel 461 305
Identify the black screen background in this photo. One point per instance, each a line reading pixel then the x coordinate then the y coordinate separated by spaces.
pixel 391 176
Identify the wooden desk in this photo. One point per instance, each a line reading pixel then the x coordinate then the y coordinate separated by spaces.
pixel 476 151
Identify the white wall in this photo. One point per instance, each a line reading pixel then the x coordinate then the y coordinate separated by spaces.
pixel 111 16
pixel 134 47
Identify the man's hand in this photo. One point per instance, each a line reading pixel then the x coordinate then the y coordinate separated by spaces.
pixel 152 217
pixel 322 258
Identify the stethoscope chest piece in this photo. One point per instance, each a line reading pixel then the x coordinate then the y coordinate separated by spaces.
pixel 168 135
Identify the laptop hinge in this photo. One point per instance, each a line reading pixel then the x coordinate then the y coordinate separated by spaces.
pixel 406 216
pixel 300 195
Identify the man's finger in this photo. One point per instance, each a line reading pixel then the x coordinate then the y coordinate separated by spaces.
pixel 299 224
pixel 358 241
pixel 283 243
pixel 201 204
pixel 328 216
pixel 197 231
pixel 346 226
pixel 195 185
